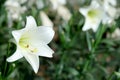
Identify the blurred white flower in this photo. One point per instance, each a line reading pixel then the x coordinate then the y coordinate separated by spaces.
pixel 39 4
pixel 30 3
pixel 115 34
pixel 45 19
pixel 21 1
pixel 94 14
pixel 57 3
pixel 14 9
pixel 110 8
pixel 64 13
pixel 32 42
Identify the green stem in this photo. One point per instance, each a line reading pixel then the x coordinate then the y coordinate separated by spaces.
pixel 86 66
pixel 92 50
pixel 110 77
pixel 5 70
pixel 5 67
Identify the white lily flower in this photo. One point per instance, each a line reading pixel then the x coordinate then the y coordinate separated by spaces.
pixel 32 42
pixel 40 4
pixel 115 34
pixel 21 1
pixel 57 3
pixel 93 14
pixel 45 19
pixel 110 8
pixel 64 13
pixel 14 9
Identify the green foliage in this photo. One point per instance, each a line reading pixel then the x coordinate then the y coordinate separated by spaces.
pixel 79 55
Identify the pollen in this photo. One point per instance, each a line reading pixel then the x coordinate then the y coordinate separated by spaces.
pixel 31 49
pixel 34 50
pixel 27 46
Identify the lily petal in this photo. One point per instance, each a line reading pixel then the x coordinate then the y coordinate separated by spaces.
pixel 17 55
pixel 54 4
pixel 95 27
pixel 42 34
pixel 17 34
pixel 84 11
pixel 33 60
pixel 46 34
pixel 30 23
pixel 45 51
pixel 62 2
pixel 91 25
pixel 45 19
pixel 86 26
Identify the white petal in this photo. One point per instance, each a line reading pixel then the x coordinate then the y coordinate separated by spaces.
pixel 30 23
pixel 54 4
pixel 42 34
pixel 95 4
pixel 45 19
pixel 86 26
pixel 40 4
pixel 17 34
pixel 33 60
pixel 111 11
pixel 64 13
pixel 95 27
pixel 84 11
pixel 91 25
pixel 45 51
pixel 17 55
pixel 113 2
pixel 46 34
pixel 62 2
pixel 12 4
pixel 106 19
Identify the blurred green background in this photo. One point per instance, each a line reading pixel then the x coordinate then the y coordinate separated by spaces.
pixel 79 55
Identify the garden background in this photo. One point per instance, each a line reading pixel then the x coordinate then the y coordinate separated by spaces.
pixel 78 54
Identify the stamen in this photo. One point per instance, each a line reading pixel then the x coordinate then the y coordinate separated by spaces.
pixel 27 46
pixel 24 43
pixel 34 50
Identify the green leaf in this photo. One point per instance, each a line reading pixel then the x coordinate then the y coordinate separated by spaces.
pixel 99 34
pixel 117 74
pixel 89 41
pixel 73 71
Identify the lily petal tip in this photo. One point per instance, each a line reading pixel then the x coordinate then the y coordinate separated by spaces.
pixel 8 60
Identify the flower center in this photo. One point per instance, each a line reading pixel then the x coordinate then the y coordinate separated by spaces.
pixel 25 44
pixel 93 13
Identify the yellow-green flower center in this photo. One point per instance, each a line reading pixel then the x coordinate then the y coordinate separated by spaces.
pixel 93 13
pixel 25 44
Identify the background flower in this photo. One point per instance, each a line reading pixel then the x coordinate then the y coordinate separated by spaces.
pixel 94 14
